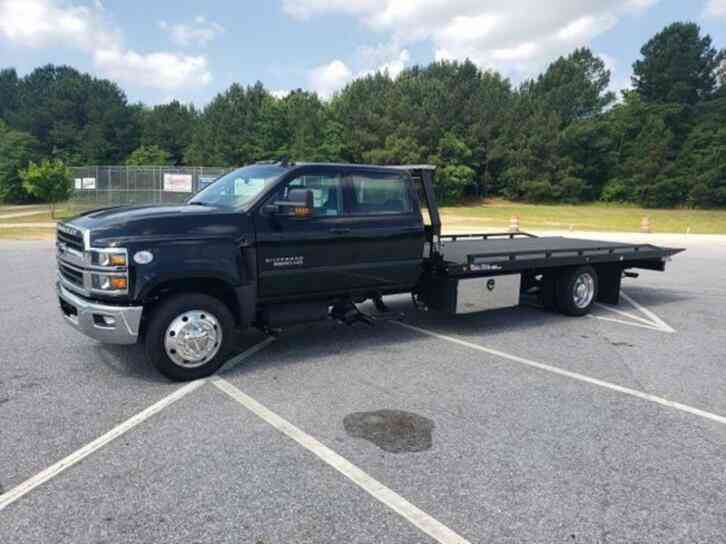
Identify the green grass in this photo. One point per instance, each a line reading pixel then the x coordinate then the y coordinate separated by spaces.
pixel 495 215
pixel 42 217
pixel 14 208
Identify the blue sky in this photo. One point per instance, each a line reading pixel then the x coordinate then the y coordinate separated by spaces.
pixel 193 49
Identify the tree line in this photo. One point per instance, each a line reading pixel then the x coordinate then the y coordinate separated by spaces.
pixel 559 137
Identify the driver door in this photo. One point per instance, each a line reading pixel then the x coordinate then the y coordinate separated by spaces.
pixel 305 256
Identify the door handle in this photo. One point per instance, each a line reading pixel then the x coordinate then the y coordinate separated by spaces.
pixel 340 231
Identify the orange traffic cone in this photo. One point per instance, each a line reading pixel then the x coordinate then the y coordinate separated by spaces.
pixel 645 224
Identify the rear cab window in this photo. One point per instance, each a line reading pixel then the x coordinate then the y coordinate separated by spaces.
pixel 380 194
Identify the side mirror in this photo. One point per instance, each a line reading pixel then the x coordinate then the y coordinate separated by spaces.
pixel 299 201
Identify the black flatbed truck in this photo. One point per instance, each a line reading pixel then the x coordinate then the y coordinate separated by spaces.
pixel 274 244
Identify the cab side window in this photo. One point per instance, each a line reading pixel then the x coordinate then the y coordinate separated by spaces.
pixel 380 194
pixel 327 193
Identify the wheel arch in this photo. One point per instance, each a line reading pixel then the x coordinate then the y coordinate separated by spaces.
pixel 212 286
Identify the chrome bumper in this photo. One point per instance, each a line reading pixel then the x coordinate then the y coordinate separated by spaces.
pixel 108 324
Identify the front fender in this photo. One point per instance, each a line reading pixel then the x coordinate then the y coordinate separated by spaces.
pixel 187 260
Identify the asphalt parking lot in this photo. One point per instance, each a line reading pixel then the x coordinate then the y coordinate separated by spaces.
pixel 511 426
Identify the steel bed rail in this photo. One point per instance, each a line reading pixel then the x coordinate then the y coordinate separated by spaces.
pixel 641 251
pixel 486 236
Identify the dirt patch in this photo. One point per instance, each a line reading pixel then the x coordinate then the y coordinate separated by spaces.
pixel 393 431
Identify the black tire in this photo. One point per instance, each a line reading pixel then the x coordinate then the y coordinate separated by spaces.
pixel 567 296
pixel 162 317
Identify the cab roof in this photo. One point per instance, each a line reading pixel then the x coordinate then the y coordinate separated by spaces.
pixel 392 167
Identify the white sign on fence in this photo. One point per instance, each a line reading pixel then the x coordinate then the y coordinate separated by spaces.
pixel 204 181
pixel 89 183
pixel 78 183
pixel 178 183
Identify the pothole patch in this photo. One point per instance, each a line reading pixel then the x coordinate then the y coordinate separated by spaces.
pixel 393 431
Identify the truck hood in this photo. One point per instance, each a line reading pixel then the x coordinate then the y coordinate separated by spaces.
pixel 117 215
pixel 117 225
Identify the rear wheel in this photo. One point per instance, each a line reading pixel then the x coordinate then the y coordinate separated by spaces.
pixel 577 291
pixel 189 336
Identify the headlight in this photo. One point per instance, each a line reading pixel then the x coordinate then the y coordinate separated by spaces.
pixel 109 283
pixel 104 258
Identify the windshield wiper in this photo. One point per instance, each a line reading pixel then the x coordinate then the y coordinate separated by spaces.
pixel 201 203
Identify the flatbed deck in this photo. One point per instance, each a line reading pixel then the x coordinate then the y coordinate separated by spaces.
pixel 505 252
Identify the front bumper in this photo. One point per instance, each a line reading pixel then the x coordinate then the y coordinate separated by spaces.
pixel 108 324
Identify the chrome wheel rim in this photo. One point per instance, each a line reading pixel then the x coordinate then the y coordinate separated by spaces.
pixel 193 338
pixel 583 290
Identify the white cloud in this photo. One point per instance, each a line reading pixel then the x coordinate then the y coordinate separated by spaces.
pixel 46 23
pixel 161 70
pixel 610 62
pixel 40 23
pixel 280 93
pixel 581 29
pixel 200 32
pixel 328 78
pixel 640 4
pixel 517 37
pixel 521 52
pixel 386 58
pixel 395 66
pixel 468 29
pixel 619 80
pixel 716 8
pixel 389 58
pixel 304 9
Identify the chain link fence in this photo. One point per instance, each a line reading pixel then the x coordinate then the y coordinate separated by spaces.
pixel 100 186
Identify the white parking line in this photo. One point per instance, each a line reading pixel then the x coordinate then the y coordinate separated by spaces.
pixel 653 322
pixel 656 320
pixel 52 471
pixel 419 518
pixel 574 375
pixel 628 323
pixel 28 485
pixel 624 314
pixel 239 359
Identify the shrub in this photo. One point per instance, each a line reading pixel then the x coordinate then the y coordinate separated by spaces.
pixel 452 181
pixel 539 190
pixel 17 149
pixel 702 196
pixel 666 192
pixel 149 155
pixel 514 180
pixel 615 190
pixel 50 181
pixel 573 190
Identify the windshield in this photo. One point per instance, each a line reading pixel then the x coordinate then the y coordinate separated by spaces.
pixel 239 187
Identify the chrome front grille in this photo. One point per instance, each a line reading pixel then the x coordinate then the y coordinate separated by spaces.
pixel 70 274
pixel 78 269
pixel 70 239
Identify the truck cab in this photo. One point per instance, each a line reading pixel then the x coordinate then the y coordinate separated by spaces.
pixel 265 245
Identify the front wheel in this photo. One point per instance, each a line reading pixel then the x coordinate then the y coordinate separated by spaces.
pixel 189 336
pixel 577 291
